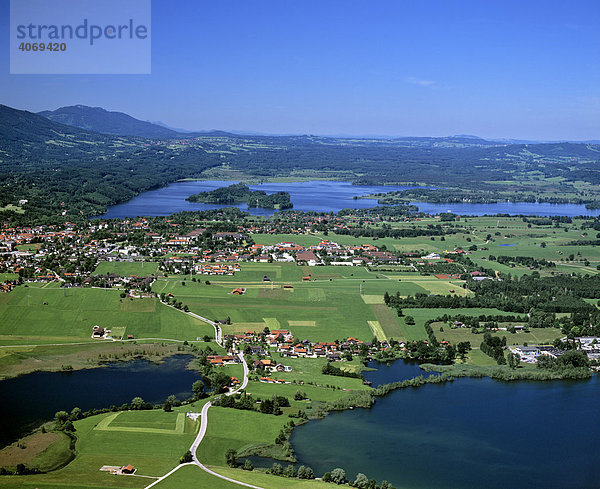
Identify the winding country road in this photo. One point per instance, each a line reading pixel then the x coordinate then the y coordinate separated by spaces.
pixel 218 332
pixel 204 427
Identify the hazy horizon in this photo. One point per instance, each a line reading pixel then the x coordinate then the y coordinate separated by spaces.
pixel 501 70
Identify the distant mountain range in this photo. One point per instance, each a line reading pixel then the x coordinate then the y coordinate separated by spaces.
pixel 29 137
pixel 102 169
pixel 101 120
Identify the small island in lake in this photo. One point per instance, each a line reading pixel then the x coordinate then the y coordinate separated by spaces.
pixel 238 193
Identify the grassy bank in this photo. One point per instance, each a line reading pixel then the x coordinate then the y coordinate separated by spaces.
pixel 504 373
pixel 20 360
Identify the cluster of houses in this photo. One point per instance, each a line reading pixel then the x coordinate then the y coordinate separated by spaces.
pixel 530 354
pixel 217 269
pixel 220 360
pixel 98 332
pixel 282 341
pixel 182 252
pixel 590 345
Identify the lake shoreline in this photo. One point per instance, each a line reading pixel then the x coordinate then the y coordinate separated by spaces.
pixel 156 357
pixel 374 428
pixel 442 374
pixel 320 196
pixel 103 386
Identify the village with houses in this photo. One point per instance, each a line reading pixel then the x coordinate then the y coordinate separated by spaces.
pixel 286 318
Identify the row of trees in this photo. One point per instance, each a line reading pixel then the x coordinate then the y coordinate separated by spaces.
pixel 513 294
pixel 248 403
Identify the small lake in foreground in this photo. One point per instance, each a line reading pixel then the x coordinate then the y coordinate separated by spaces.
pixel 32 399
pixel 318 196
pixel 469 434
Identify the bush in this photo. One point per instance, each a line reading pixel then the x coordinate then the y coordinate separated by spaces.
pixel 299 395
pixel 186 458
pixel 305 472
pixel 231 458
pixel 338 476
pixel 361 481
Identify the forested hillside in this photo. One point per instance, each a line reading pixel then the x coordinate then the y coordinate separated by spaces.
pixel 106 122
pixel 61 168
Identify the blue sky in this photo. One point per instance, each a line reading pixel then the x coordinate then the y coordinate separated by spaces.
pixel 493 68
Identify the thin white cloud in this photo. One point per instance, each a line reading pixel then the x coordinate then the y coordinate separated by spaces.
pixel 417 81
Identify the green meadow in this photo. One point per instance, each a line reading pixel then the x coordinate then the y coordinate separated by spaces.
pixel 191 476
pixel 232 428
pixel 309 371
pixel 336 302
pixel 152 453
pixel 126 269
pixel 49 315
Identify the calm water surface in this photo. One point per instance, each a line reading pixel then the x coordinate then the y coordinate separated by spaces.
pixel 30 400
pixel 318 196
pixel 512 208
pixel 472 433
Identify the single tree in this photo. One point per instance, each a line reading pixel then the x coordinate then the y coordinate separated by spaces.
pixel 198 389
pixel 231 458
pixel 361 481
pixel 338 476
pixel 186 458
pixel 137 403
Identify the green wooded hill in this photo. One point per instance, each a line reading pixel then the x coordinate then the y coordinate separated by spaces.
pixel 26 137
pixel 107 122
pixel 69 173
pixel 59 167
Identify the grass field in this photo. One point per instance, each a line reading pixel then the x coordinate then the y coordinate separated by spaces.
pixel 38 449
pixel 12 207
pixel 193 477
pixel 377 330
pixel 126 269
pixel 232 428
pixel 337 302
pixel 144 422
pixel 306 371
pixel 152 453
pixel 69 314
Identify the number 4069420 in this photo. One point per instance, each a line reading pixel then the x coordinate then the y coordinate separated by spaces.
pixel 43 46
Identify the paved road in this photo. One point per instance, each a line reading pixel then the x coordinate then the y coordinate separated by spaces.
pixel 202 433
pixel 218 332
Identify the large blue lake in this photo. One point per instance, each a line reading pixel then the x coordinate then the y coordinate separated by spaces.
pixel 318 196
pixel 469 434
